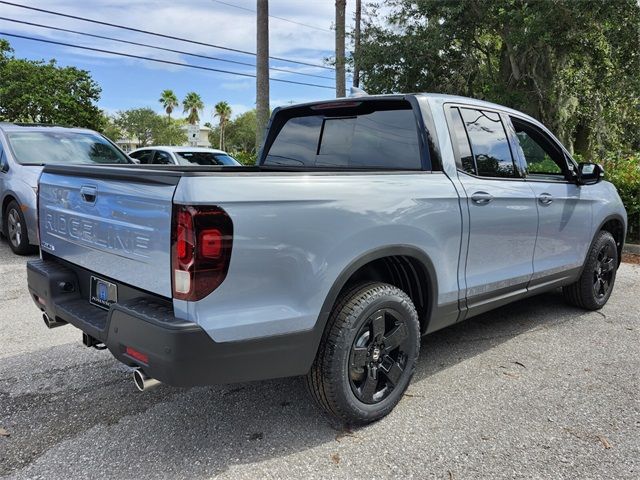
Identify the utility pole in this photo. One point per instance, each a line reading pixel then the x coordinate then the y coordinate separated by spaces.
pixel 341 6
pixel 356 45
pixel 262 69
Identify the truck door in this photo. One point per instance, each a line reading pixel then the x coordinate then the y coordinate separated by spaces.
pixel 564 208
pixel 503 218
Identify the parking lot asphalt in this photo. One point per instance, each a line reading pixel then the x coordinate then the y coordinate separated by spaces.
pixel 537 389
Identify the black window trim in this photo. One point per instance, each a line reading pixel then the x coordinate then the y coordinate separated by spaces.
pixel 456 151
pixel 543 131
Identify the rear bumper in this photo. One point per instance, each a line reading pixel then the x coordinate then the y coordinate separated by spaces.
pixel 179 353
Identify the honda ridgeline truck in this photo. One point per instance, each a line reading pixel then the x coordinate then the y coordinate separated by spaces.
pixel 368 222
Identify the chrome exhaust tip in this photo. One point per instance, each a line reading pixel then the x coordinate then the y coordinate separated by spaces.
pixel 143 381
pixel 50 323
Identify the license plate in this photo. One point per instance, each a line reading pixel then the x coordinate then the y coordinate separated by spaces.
pixel 103 293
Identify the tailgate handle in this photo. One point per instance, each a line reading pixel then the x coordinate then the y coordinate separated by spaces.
pixel 89 193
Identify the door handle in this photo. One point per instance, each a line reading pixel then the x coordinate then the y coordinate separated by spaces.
pixel 88 193
pixel 545 199
pixel 481 198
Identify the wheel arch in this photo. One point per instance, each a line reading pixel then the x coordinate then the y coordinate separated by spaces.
pixel 615 225
pixel 406 265
pixel 7 198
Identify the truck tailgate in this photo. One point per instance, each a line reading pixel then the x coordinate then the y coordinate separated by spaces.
pixel 115 222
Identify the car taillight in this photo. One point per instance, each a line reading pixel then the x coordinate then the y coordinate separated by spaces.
pixel 201 250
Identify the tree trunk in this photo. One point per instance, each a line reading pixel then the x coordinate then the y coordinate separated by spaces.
pixel 341 6
pixel 356 45
pixel 262 70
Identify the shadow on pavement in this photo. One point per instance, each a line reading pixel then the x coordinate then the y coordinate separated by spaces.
pixel 76 394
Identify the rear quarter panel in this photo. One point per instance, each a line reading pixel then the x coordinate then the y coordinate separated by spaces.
pixel 295 234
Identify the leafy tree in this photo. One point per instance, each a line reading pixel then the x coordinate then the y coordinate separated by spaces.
pixel 43 92
pixel 109 128
pixel 222 110
pixel 241 133
pixel 573 65
pixel 193 105
pixel 169 101
pixel 149 128
pixel 169 132
pixel 139 123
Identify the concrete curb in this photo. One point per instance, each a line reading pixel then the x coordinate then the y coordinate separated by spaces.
pixel 631 248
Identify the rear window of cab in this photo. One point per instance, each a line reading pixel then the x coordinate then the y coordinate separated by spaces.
pixel 349 135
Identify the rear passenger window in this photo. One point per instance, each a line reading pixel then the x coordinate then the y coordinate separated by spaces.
pixel 384 136
pixel 162 158
pixel 144 156
pixel 489 143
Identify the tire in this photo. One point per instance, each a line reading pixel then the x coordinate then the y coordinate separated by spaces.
pixel 593 289
pixel 355 377
pixel 15 229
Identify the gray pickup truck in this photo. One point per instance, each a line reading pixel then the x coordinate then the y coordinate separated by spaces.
pixel 368 222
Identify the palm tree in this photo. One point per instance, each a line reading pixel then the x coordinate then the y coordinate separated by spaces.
pixel 222 110
pixel 193 104
pixel 169 101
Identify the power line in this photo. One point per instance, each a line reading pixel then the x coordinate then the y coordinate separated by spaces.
pixel 274 16
pixel 157 48
pixel 157 60
pixel 162 35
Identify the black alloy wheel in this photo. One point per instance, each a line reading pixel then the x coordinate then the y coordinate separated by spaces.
pixel 378 356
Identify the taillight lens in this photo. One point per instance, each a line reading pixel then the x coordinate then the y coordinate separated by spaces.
pixel 201 243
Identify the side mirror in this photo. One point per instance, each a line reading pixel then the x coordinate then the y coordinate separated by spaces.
pixel 590 173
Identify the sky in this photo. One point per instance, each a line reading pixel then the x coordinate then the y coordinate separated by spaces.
pixel 132 83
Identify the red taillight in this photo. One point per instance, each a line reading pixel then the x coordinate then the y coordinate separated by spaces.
pixel 184 235
pixel 141 357
pixel 202 239
pixel 210 243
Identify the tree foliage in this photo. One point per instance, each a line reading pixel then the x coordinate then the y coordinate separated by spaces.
pixel 43 92
pixel 169 101
pixel 149 128
pixel 222 111
pixel 193 105
pixel 169 132
pixel 240 134
pixel 573 65
pixel 109 128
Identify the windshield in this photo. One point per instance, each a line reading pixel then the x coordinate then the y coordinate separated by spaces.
pixel 205 158
pixel 41 148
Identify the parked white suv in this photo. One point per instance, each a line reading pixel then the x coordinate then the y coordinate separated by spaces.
pixel 163 155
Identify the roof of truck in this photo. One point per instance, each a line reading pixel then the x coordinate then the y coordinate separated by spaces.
pixel 438 97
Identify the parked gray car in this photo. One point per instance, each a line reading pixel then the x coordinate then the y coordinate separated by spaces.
pixel 24 150
pixel 368 222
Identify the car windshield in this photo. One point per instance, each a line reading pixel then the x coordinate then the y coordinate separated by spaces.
pixel 41 148
pixel 205 158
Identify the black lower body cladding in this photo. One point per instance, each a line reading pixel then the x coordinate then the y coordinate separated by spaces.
pixel 174 351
